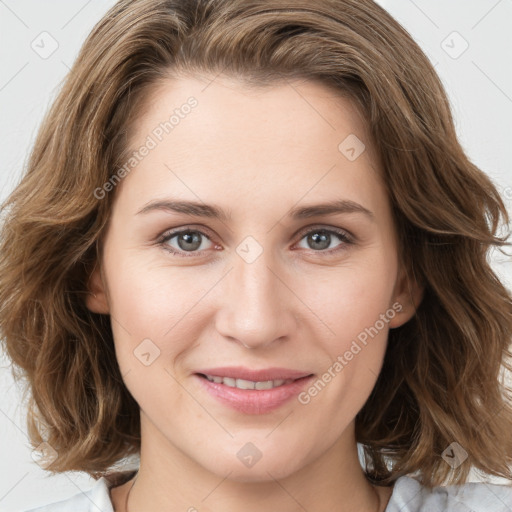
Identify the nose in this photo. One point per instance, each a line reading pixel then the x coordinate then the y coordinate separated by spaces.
pixel 256 307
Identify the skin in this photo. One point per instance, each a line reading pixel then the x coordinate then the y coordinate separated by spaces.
pixel 256 153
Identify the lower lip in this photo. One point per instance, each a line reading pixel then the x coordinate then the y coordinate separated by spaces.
pixel 251 401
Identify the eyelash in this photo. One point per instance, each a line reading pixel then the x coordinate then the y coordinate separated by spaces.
pixel 343 235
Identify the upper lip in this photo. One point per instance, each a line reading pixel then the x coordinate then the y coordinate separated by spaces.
pixel 240 372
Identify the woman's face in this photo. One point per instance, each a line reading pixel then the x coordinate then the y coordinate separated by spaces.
pixel 261 279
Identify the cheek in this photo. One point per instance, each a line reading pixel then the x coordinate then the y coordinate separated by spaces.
pixel 154 325
pixel 153 302
pixel 355 297
pixel 357 309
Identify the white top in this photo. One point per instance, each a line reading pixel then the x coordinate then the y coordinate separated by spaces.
pixel 408 496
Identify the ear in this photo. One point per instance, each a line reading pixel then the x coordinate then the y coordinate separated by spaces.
pixel 407 296
pixel 97 300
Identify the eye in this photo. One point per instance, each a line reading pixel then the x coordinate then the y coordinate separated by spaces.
pixel 187 240
pixel 320 238
pixel 192 241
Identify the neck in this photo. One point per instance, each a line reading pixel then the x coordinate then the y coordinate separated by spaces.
pixel 169 480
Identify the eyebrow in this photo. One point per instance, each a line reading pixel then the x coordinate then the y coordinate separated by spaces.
pixel 198 209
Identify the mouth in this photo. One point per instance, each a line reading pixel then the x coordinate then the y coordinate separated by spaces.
pixel 252 396
pixel 250 384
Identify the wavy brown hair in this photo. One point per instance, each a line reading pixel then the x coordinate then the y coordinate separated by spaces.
pixel 442 378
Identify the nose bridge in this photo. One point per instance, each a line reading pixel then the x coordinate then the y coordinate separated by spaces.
pixel 255 309
pixel 257 281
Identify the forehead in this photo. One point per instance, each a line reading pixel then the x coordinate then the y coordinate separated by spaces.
pixel 261 111
pixel 285 137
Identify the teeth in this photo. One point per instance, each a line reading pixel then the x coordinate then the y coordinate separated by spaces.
pixel 244 384
pixel 266 385
pixel 228 381
pixel 248 384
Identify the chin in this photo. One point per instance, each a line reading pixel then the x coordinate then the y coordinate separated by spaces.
pixel 265 469
pixel 253 475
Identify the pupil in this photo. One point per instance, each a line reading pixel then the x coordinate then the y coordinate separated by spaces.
pixel 192 241
pixel 320 238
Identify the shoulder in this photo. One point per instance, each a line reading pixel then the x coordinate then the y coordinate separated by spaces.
pixel 95 499
pixel 410 496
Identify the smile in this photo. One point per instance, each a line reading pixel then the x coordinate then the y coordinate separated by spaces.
pixel 248 384
pixel 252 396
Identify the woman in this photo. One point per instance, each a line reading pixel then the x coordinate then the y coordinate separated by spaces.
pixel 248 240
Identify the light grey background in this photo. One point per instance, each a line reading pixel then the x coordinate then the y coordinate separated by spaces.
pixel 478 80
